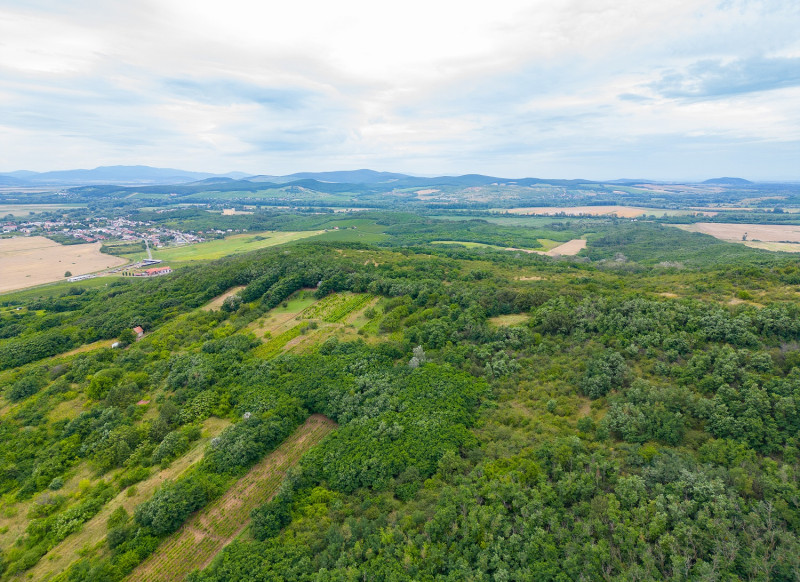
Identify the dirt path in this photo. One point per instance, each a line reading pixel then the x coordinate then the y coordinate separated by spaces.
pixel 207 532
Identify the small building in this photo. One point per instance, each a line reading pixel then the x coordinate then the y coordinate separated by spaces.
pixel 138 331
pixel 116 345
pixel 155 271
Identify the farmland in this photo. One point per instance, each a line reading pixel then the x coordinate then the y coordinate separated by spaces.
pixel 239 243
pixel 554 248
pixel 205 534
pixel 786 233
pixel 30 261
pixel 23 210
pixel 611 210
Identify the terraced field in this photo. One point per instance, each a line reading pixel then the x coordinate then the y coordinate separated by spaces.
pixel 207 532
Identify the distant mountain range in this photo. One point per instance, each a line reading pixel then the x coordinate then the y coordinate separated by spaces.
pixel 115 175
pixel 728 181
pixel 150 176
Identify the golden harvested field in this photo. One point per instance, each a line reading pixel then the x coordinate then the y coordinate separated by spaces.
pixel 785 247
pixel 567 249
pixel 621 211
pixel 214 527
pixel 754 232
pixel 34 260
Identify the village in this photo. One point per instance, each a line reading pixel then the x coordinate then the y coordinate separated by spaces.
pixel 102 229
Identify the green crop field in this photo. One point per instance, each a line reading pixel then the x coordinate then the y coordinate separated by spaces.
pixel 20 210
pixel 239 243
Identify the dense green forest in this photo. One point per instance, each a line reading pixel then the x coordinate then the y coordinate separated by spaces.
pixel 631 413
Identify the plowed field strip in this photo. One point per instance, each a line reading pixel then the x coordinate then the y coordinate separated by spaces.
pixel 207 532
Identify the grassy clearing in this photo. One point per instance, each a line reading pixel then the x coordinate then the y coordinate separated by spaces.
pixel 239 243
pixel 94 531
pixel 289 326
pixel 509 320
pixel 217 302
pixel 53 289
pixel 469 245
pixel 207 532
pixel 336 307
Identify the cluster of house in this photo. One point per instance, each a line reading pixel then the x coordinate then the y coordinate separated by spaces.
pixel 153 272
pixel 101 228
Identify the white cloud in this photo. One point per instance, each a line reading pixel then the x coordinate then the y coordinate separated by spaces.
pixel 514 86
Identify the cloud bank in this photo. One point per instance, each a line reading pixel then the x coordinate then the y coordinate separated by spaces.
pixel 678 89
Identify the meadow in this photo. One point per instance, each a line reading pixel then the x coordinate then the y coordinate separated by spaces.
pixel 233 244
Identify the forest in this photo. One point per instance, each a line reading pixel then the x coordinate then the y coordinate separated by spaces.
pixel 630 413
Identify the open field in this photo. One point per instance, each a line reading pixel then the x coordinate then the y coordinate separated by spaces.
pixel 469 245
pixel 786 247
pixel 22 210
pixel 508 320
pixel 620 211
pixel 288 326
pixel 753 235
pixel 217 302
pixel 212 528
pixel 93 531
pixel 569 248
pixel 238 243
pixel 34 260
pixel 555 248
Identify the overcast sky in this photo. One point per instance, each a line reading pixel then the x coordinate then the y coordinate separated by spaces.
pixel 603 89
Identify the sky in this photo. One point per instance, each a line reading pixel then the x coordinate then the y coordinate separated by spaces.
pixel 598 89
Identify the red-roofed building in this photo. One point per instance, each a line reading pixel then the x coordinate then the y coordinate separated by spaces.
pixel 138 331
pixel 158 271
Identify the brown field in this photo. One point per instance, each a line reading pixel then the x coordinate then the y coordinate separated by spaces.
pixel 34 260
pixel 621 211
pixel 217 302
pixel 214 527
pixel 754 232
pixel 785 247
pixel 569 248
pixel 93 531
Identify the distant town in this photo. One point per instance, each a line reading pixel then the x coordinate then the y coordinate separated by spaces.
pixel 101 229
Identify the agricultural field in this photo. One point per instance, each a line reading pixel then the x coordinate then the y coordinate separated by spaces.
pixel 206 533
pixel 35 260
pixel 553 248
pixel 746 233
pixel 238 243
pixel 24 210
pixel 619 211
